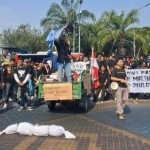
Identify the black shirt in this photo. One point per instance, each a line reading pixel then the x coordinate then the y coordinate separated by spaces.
pixel 101 63
pixel 21 73
pixel 103 76
pixel 121 74
pixel 45 70
pixel 63 52
pixel 7 74
pixel 111 63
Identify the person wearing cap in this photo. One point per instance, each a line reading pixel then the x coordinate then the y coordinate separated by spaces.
pixel 21 75
pixel 64 52
pixel 119 76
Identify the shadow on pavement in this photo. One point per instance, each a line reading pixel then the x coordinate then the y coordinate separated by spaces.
pixel 127 110
pixel 71 108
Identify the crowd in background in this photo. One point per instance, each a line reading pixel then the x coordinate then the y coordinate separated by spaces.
pixel 19 80
pixel 106 65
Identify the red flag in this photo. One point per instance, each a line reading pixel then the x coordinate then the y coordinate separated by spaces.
pixel 94 70
pixel 16 58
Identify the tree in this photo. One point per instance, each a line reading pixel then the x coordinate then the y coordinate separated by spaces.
pixel 67 13
pixel 25 37
pixel 114 28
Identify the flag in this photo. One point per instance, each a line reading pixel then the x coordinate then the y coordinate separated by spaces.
pixel 94 70
pixel 16 58
pixel 51 37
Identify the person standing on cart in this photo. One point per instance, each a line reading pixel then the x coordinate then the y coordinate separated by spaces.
pixel 64 52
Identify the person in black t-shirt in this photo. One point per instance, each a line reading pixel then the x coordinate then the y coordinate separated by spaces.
pixel 119 75
pixel 64 59
pixel 21 75
pixel 9 83
pixel 103 80
pixel 101 62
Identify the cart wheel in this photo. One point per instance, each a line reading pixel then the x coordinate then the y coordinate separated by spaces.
pixel 84 102
pixel 51 105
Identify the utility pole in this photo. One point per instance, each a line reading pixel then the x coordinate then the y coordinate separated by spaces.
pixel 81 1
pixel 134 46
pixel 72 1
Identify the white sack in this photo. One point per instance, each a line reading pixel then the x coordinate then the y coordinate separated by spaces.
pixel 69 135
pixel 42 130
pixel 56 130
pixel 10 129
pixel 25 128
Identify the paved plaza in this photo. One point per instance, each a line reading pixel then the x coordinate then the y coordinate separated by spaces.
pixel 98 129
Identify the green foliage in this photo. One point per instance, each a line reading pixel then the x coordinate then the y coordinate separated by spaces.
pixel 25 37
pixel 67 13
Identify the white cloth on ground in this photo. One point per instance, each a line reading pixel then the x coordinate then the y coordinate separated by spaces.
pixel 25 128
pixel 41 130
pixel 10 129
pixel 55 130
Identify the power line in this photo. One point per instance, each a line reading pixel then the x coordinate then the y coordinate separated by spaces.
pixel 144 6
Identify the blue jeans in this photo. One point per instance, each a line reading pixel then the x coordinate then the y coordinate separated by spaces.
pixel 7 91
pixel 66 67
pixel 23 96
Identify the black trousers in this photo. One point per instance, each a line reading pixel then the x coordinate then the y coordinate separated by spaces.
pixel 101 88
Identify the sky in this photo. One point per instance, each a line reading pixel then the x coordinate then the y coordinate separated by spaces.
pixel 16 12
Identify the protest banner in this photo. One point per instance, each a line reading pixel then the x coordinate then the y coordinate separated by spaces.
pixel 138 80
pixel 59 91
pixel 81 65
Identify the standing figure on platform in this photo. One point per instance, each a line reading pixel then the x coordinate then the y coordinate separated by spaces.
pixel 64 52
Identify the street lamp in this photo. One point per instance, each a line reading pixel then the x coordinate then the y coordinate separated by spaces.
pixel 72 1
pixel 74 34
pixel 81 1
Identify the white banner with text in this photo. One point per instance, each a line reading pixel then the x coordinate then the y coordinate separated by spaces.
pixel 138 80
pixel 81 65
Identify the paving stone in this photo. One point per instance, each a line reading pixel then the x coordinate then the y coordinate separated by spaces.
pixel 98 129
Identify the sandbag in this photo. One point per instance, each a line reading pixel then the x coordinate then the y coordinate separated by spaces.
pixel 25 128
pixel 55 130
pixel 69 135
pixel 42 130
pixel 10 129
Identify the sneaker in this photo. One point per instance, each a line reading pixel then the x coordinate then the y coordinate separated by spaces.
pixel 15 104
pixel 29 108
pixel 119 114
pixel 10 99
pixel 20 108
pixel 4 105
pixel 121 117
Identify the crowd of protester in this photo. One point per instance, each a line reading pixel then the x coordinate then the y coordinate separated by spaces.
pixel 16 79
pixel 18 82
pixel 106 65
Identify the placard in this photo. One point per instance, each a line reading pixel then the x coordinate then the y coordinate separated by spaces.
pixel 138 80
pixel 81 65
pixel 58 91
pixel 87 83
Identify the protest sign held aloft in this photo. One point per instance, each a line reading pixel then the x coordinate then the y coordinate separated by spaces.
pixel 139 80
